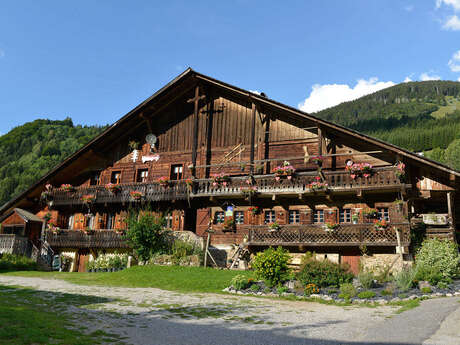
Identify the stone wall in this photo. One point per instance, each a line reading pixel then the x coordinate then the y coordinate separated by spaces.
pixel 378 262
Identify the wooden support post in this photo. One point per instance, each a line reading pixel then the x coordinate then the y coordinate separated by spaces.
pixel 196 101
pixel 267 144
pixel 253 134
pixel 451 209
pixel 320 141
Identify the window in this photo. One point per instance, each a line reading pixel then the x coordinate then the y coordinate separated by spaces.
pixel 269 217
pixel 95 178
pixel 219 217
pixel 168 220
pixel 318 216
pixel 239 217
pixel 345 216
pixel 383 213
pixel 70 222
pixel 142 175
pixel 115 178
pixel 110 221
pixel 294 217
pixel 176 172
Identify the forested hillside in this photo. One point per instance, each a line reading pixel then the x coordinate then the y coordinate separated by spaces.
pixel 419 116
pixel 27 152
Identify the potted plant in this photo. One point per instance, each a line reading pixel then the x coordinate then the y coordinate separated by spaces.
pixel 284 170
pixel 400 171
pixel 164 181
pixel 112 188
pixel 136 195
pixel 88 198
pixel 317 185
pixel 274 226
pixel 359 169
pixel 355 218
pixel 190 183
pixel 255 210
pixel 229 223
pixel 370 213
pixel 331 226
pixel 380 224
pixel 220 179
pixel 67 187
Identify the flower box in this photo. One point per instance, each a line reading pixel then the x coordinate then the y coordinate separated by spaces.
pixel 284 170
pixel 318 160
pixel 136 195
pixel 274 226
pixel 67 187
pixel 380 225
pixel 255 210
pixel 220 179
pixel 359 169
pixel 331 226
pixel 88 199
pixel 318 185
pixel 112 188
pixel 164 181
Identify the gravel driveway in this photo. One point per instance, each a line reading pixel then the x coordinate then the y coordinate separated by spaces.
pixel 153 316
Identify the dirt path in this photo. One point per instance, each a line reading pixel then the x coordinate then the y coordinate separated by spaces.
pixel 153 316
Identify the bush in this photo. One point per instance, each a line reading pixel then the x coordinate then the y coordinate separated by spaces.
pixel 437 260
pixel 11 262
pixel 255 287
pixel 389 290
pixel 366 279
pixel 404 279
pixel 146 235
pixel 366 294
pixel 311 289
pixel 281 289
pixel 180 250
pixel 347 291
pixel 323 273
pixel 426 289
pixel 271 265
pixel 240 282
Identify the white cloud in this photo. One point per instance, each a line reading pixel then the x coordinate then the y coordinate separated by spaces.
pixel 329 95
pixel 426 76
pixel 452 23
pixel 454 3
pixel 454 62
pixel 407 79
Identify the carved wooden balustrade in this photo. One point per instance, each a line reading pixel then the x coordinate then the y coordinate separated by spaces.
pixel 80 239
pixel 14 244
pixel 337 181
pixel 345 235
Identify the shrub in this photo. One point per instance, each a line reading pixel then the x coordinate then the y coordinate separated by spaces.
pixel 146 235
pixel 437 257
pixel 366 279
pixel 255 287
pixel 281 289
pixel 323 273
pixel 366 294
pixel 240 282
pixel 426 289
pixel 442 285
pixel 347 291
pixel 267 290
pixel 404 279
pixel 389 290
pixel 311 289
pixel 271 265
pixel 11 262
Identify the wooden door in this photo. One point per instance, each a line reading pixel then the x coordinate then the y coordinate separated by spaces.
pixel 83 257
pixel 351 258
pixel 203 217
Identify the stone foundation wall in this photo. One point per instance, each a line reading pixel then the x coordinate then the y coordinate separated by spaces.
pixel 378 262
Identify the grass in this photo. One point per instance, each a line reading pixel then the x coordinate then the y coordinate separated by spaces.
pixel 172 278
pixel 34 317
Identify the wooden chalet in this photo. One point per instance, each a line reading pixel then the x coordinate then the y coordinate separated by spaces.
pixel 212 155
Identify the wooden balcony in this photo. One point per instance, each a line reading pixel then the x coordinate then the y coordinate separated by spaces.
pixel 79 239
pixel 383 179
pixel 316 235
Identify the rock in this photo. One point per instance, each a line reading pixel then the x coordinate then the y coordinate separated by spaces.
pixel 327 298
pixel 260 293
pixel 290 284
pixel 449 295
pixel 227 289
pixel 423 284
pixel 413 297
pixel 240 292
pixel 396 299
pixel 315 295
pixel 457 293
pixel 381 301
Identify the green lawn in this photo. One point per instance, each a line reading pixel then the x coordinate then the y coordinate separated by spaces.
pixel 173 278
pixel 34 317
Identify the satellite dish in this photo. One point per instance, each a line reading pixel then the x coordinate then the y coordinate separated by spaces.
pixel 151 139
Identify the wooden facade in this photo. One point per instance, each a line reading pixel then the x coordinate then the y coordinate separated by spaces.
pixel 205 127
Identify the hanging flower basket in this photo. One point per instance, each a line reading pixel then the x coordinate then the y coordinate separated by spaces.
pixel 274 226
pixel 400 171
pixel 67 187
pixel 380 225
pixel 318 160
pixel 255 210
pixel 331 226
pixel 112 188
pixel 164 181
pixel 220 179
pixel 359 169
pixel 136 195
pixel 88 199
pixel 248 191
pixel 285 170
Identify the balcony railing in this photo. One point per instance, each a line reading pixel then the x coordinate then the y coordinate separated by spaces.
pixel 80 239
pixel 14 244
pixel 314 235
pixel 337 181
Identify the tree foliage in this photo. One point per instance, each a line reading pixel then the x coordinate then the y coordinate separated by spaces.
pixel 29 151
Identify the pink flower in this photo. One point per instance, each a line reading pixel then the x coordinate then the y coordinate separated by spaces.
pixel 277 178
pixel 289 177
pixel 224 184
pixel 214 184
pixel 353 176
pixel 366 175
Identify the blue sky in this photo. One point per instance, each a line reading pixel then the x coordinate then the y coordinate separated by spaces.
pixel 96 60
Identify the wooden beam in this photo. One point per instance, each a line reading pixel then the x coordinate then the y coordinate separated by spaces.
pixel 196 101
pixel 320 141
pixel 253 134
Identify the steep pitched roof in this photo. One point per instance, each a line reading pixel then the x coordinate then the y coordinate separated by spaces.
pixel 446 173
pixel 26 215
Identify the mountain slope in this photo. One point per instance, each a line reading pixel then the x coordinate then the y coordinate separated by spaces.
pixel 27 152
pixel 419 116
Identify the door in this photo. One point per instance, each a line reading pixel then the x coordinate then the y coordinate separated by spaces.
pixel 352 258
pixel 83 257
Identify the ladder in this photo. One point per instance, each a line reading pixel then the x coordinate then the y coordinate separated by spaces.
pixel 238 255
